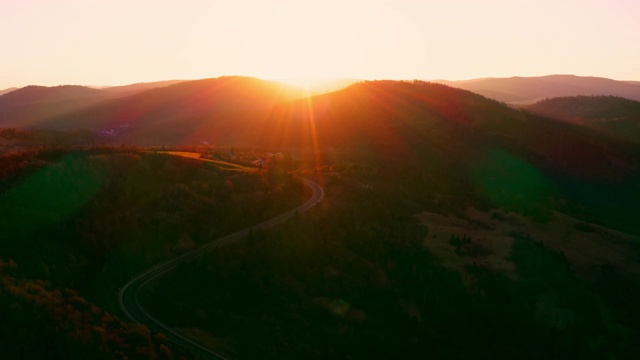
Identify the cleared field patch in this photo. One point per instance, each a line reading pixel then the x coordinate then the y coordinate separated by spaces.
pixel 485 239
pixel 223 165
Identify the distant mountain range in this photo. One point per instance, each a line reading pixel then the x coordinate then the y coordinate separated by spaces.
pixel 2 92
pixel 29 106
pixel 403 118
pixel 527 90
pixel 33 105
pixel 191 111
pixel 138 87
pixel 30 95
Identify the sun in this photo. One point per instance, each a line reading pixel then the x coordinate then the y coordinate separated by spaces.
pixel 305 82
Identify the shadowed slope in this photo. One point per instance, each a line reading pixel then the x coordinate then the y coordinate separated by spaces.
pixel 192 111
pixel 41 94
pixel 124 90
pixel 413 123
pixel 615 116
pixel 30 105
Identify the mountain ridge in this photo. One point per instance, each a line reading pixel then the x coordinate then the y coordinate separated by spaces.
pixel 8 90
pixel 34 94
pixel 531 89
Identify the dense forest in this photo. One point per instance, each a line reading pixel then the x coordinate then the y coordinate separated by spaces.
pixel 615 116
pixel 356 279
pixel 43 321
pixel 114 212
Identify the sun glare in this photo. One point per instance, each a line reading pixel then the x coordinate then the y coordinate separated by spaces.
pixel 309 84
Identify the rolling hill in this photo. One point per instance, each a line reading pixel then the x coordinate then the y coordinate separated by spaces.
pixel 2 92
pixel 393 122
pixel 34 106
pixel 393 127
pixel 31 95
pixel 615 116
pixel 527 90
pixel 404 121
pixel 417 131
pixel 29 106
pixel 187 112
pixel 131 89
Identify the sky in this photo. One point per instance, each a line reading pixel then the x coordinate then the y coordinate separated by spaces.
pixel 117 42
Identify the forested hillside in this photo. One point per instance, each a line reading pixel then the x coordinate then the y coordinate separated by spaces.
pixel 113 213
pixel 614 116
pixel 387 267
pixel 453 227
pixel 32 105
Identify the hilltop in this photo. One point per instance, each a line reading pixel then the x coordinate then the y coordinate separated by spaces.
pixel 31 95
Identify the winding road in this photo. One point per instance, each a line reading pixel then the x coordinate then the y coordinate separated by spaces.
pixel 128 295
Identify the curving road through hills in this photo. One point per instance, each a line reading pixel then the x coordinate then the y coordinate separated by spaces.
pixel 128 295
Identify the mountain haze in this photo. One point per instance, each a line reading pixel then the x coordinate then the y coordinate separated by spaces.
pixel 31 95
pixel 530 89
pixel 200 110
pixel 390 152
pixel 33 106
pixel 29 106
pixel 138 87
pixel 2 92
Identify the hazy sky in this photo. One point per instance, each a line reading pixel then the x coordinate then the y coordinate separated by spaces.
pixel 52 42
